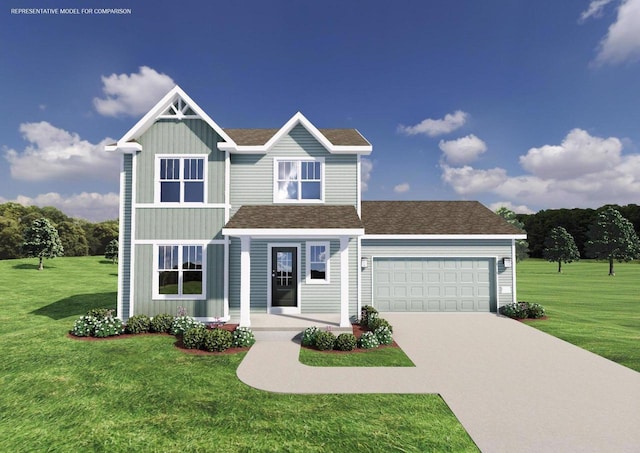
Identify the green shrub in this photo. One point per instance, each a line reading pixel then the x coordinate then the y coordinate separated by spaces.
pixel 108 327
pixel 193 338
pixel 522 310
pixel 535 311
pixel 375 323
pixel 346 342
pixel 309 336
pixel 138 324
pixel 217 340
pixel 100 313
pixel 161 323
pixel 368 340
pixel 365 313
pixel 183 323
pixel 325 340
pixel 383 334
pixel 243 337
pixel 84 326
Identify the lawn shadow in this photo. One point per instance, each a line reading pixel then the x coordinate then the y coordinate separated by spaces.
pixel 32 266
pixel 109 262
pixel 77 305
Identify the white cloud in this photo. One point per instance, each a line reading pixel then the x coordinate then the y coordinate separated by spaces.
pixel 432 128
pixel 366 167
pixel 132 94
pixel 622 42
pixel 91 206
pixel 467 180
pixel 518 209
pixel 594 10
pixel 54 154
pixel 402 188
pixel 578 154
pixel 463 150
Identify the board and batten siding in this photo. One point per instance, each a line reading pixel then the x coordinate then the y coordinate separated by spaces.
pixel 126 242
pixel 179 223
pixel 441 248
pixel 211 307
pixel 191 136
pixel 252 175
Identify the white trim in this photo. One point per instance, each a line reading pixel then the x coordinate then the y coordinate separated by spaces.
pixel 227 186
pixel 132 260
pixel 284 310
pixel 359 277
pixel 514 299
pixel 298 160
pixel 155 287
pixel 181 181
pixel 308 279
pixel 444 236
pixel 292 232
pixel 225 280
pixel 181 241
pixel 358 187
pixel 121 235
pixel 245 281
pixel 180 205
pixel 344 282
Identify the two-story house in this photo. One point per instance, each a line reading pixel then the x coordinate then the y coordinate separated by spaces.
pixel 230 222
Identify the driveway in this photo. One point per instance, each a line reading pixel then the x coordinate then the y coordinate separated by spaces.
pixel 513 388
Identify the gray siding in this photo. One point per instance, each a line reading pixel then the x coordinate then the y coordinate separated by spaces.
pixel 438 249
pixel 125 226
pixel 179 223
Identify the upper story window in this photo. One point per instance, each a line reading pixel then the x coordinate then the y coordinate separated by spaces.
pixel 298 180
pixel 181 179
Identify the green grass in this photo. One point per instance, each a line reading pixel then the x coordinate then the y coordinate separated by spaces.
pixel 143 394
pixel 370 357
pixel 587 307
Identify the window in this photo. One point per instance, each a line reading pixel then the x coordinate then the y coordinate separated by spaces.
pixel 298 180
pixel 181 180
pixel 180 272
pixel 317 262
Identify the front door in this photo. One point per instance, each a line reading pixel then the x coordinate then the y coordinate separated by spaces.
pixel 284 277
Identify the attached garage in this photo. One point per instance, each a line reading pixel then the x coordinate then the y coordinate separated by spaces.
pixel 417 284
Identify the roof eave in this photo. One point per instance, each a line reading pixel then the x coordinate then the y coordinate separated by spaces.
pixel 293 232
pixel 445 236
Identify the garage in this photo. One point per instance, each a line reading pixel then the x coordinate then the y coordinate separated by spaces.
pixel 434 284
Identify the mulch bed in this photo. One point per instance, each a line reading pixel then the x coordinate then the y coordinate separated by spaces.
pixel 358 330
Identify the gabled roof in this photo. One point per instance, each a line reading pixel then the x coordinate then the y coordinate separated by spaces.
pixel 260 141
pixel 435 218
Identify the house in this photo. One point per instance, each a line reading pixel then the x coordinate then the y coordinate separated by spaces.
pixel 231 222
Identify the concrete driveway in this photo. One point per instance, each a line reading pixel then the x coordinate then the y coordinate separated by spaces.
pixel 514 388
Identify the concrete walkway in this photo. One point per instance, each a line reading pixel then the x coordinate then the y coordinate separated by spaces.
pixel 513 388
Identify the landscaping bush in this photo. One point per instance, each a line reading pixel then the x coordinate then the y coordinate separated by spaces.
pixel 161 323
pixel 193 338
pixel 375 323
pixel 522 310
pixel 325 340
pixel 368 340
pixel 183 323
pixel 365 313
pixel 84 326
pixel 383 334
pixel 536 311
pixel 217 340
pixel 100 313
pixel 346 342
pixel 243 337
pixel 138 324
pixel 309 336
pixel 108 327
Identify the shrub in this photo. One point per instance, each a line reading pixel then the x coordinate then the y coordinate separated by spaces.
pixel 193 338
pixel 383 335
pixel 108 327
pixel 100 313
pixel 375 323
pixel 325 340
pixel 365 313
pixel 181 324
pixel 84 326
pixel 346 342
pixel 309 336
pixel 522 310
pixel 138 324
pixel 243 337
pixel 536 311
pixel 161 323
pixel 368 340
pixel 217 340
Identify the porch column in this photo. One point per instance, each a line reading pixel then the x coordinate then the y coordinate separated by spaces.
pixel 245 281
pixel 344 281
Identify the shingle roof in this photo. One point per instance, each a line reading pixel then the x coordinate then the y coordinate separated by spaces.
pixel 433 217
pixel 295 217
pixel 256 137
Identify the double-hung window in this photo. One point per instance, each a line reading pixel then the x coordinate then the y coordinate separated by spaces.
pixel 298 180
pixel 317 262
pixel 181 179
pixel 180 272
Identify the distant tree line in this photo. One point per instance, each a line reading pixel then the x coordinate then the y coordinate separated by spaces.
pixel 576 222
pixel 78 237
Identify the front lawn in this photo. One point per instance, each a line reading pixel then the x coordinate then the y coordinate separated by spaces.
pixel 385 356
pixel 587 307
pixel 144 394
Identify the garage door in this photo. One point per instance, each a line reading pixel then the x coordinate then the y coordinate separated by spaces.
pixel 433 284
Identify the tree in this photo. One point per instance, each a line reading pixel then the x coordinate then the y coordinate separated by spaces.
pixel 73 238
pixel 10 238
pixel 111 253
pixel 100 234
pixel 612 237
pixel 41 240
pixel 560 247
pixel 522 246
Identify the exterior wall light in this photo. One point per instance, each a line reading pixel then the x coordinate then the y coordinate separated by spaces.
pixel 506 262
pixel 364 262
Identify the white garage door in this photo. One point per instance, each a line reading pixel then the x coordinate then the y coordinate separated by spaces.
pixel 433 284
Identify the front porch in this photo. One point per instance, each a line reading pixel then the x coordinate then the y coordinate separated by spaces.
pixel 294 322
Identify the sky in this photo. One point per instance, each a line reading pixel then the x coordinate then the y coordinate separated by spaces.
pixel 528 105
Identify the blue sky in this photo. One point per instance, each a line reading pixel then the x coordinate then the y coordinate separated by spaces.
pixel 532 105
